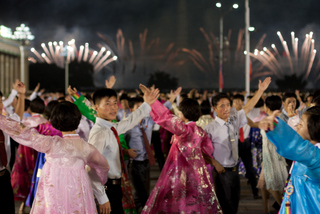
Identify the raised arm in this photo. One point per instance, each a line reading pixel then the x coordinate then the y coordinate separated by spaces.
pixel 289 143
pixel 21 88
pixel 12 95
pixel 83 104
pixel 253 101
pixel 27 136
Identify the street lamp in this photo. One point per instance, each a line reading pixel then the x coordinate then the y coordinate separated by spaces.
pixel 247 46
pixel 219 5
pixel 22 34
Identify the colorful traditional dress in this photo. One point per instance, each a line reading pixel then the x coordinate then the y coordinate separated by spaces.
pixel 24 164
pixel 44 129
pixel 303 190
pixel 64 185
pixel 184 185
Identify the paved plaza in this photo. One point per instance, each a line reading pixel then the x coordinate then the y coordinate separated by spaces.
pixel 246 206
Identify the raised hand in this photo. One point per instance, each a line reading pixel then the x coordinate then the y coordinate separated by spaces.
pixel 267 123
pixel 265 84
pixel 36 89
pixel 149 95
pixel 111 82
pixel 21 88
pixel 14 85
pixel 173 95
pixel 71 91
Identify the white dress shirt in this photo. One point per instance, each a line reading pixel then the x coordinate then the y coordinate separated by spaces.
pixel 9 100
pixel 218 133
pixel 102 137
pixel 7 141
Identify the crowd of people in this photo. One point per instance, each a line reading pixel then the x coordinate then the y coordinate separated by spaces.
pixel 91 152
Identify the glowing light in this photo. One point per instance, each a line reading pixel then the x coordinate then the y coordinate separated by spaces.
pixel 218 5
pixel 235 6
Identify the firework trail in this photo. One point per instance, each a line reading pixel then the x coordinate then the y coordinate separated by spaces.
pixel 276 64
pixel 59 55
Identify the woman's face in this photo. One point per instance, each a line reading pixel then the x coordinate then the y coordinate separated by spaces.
pixel 302 128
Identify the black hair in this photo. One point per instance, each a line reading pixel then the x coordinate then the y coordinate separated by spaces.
pixel 205 107
pixel 26 104
pixel 37 106
pixel 183 95
pixel 273 102
pixel 61 91
pixel 134 100
pixel 65 116
pixel 124 97
pixel 316 101
pixel 316 94
pixel 49 108
pixel 1 94
pixel 61 99
pixel 289 95
pixel 190 109
pixel 102 93
pixel 218 97
pixel 260 103
pixel 238 96
pixel 313 115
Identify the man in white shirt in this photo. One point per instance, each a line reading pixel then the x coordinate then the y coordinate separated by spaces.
pixel 6 192
pixel 103 138
pixel 224 134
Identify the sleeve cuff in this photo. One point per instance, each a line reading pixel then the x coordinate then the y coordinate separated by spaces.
pixel 168 105
pixel 14 92
pixel 102 199
pixel 146 107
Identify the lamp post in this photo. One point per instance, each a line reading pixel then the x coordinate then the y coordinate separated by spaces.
pixel 22 34
pixel 219 5
pixel 247 46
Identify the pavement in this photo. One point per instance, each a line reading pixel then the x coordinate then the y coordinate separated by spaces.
pixel 247 204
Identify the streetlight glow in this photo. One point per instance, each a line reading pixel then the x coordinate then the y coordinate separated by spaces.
pixel 235 6
pixel 251 29
pixel 218 5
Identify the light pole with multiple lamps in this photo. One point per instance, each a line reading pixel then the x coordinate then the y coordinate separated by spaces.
pixel 219 5
pixel 22 34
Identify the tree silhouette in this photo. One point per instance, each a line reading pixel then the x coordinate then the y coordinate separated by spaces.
pixel 291 82
pixel 162 80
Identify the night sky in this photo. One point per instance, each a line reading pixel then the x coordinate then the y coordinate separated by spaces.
pixel 172 21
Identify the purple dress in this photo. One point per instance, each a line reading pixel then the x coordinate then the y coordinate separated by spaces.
pixel 184 185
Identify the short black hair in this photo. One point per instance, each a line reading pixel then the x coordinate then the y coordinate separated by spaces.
pixel 61 91
pixel 205 107
pixel 218 97
pixel 313 115
pixel 88 96
pixel 49 108
pixel 316 101
pixel 190 109
pixel 26 104
pixel 37 105
pixel 61 99
pixel 316 94
pixel 124 97
pixel 102 93
pixel 1 94
pixel 289 95
pixel 238 96
pixel 134 100
pixel 260 103
pixel 65 116
pixel 273 102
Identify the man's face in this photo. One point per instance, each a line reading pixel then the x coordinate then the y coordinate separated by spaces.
pixel 223 109
pixel 136 106
pixel 302 128
pixel 124 104
pixel 237 104
pixel 107 108
pixel 289 100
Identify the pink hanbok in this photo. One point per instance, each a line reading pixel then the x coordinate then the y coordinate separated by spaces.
pixel 64 185
pixel 24 164
pixel 184 185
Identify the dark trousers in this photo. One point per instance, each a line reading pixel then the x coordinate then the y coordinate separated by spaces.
pixel 114 193
pixel 6 193
pixel 140 175
pixel 13 146
pixel 246 157
pixel 156 141
pixel 227 187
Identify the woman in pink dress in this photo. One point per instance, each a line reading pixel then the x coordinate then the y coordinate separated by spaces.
pixel 64 186
pixel 184 185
